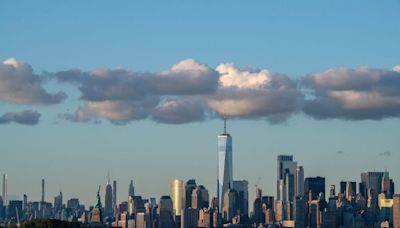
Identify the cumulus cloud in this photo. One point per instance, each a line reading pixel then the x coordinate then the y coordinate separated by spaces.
pixel 18 84
pixel 187 92
pixel 253 94
pixel 120 95
pixel 353 94
pixel 27 117
pixel 118 112
pixel 186 77
pixel 179 111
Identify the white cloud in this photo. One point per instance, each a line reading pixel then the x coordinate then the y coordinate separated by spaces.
pixel 242 79
pixel 354 94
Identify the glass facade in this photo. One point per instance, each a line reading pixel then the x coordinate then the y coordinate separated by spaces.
pixel 225 172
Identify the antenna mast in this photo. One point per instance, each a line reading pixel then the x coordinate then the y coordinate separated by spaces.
pixel 224 124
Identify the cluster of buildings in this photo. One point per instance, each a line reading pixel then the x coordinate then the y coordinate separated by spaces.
pixel 300 202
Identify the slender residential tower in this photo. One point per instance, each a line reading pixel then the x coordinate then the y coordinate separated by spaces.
pixel 225 171
pixel 5 199
pixel 42 191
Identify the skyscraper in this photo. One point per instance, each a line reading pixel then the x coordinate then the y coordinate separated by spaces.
pixel 288 167
pixel 225 170
pixel 396 211
pixel 42 190
pixel 371 183
pixel 348 188
pixel 131 190
pixel 165 212
pixel 108 200
pixel 299 181
pixel 316 185
pixel 286 184
pixel 189 187
pixel 5 199
pixel 177 195
pixel 242 190
pixel 114 191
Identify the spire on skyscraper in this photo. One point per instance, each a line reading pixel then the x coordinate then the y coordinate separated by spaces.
pixel 224 124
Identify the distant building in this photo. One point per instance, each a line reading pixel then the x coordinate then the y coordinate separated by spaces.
pixel 131 190
pixel 200 198
pixel 314 184
pixel 58 202
pixel 242 189
pixel 396 211
pixel 229 209
pixel 299 181
pixel 372 180
pixel 349 189
pixel 300 212
pixel 205 218
pixel 108 200
pixel 73 203
pixel 143 220
pixel 5 198
pixel 189 187
pixel 165 212
pixel 225 169
pixel 190 217
pixel 178 196
pixel 114 198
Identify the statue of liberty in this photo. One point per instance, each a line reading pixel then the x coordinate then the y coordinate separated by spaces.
pixel 97 212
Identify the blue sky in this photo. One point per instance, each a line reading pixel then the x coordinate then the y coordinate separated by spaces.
pixel 291 38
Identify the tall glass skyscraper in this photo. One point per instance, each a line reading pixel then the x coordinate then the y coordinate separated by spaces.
pixel 225 171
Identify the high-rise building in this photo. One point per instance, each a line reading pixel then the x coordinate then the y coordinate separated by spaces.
pixel 242 189
pixel 165 212
pixel 143 220
pixel 225 169
pixel 58 202
pixel 178 196
pixel 205 218
pixel 371 187
pixel 190 217
pixel 189 187
pixel 348 188
pixel 372 180
pixel 300 212
pixel 316 185
pixel 42 190
pixel 286 184
pixel 108 200
pixel 285 162
pixel 73 203
pixel 131 190
pixel 229 209
pixel 114 191
pixel 299 181
pixel 5 199
pixel 200 197
pixel 396 211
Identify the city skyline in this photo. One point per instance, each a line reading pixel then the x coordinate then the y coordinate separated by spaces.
pixel 138 90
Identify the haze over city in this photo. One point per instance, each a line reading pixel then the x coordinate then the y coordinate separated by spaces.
pixel 138 91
